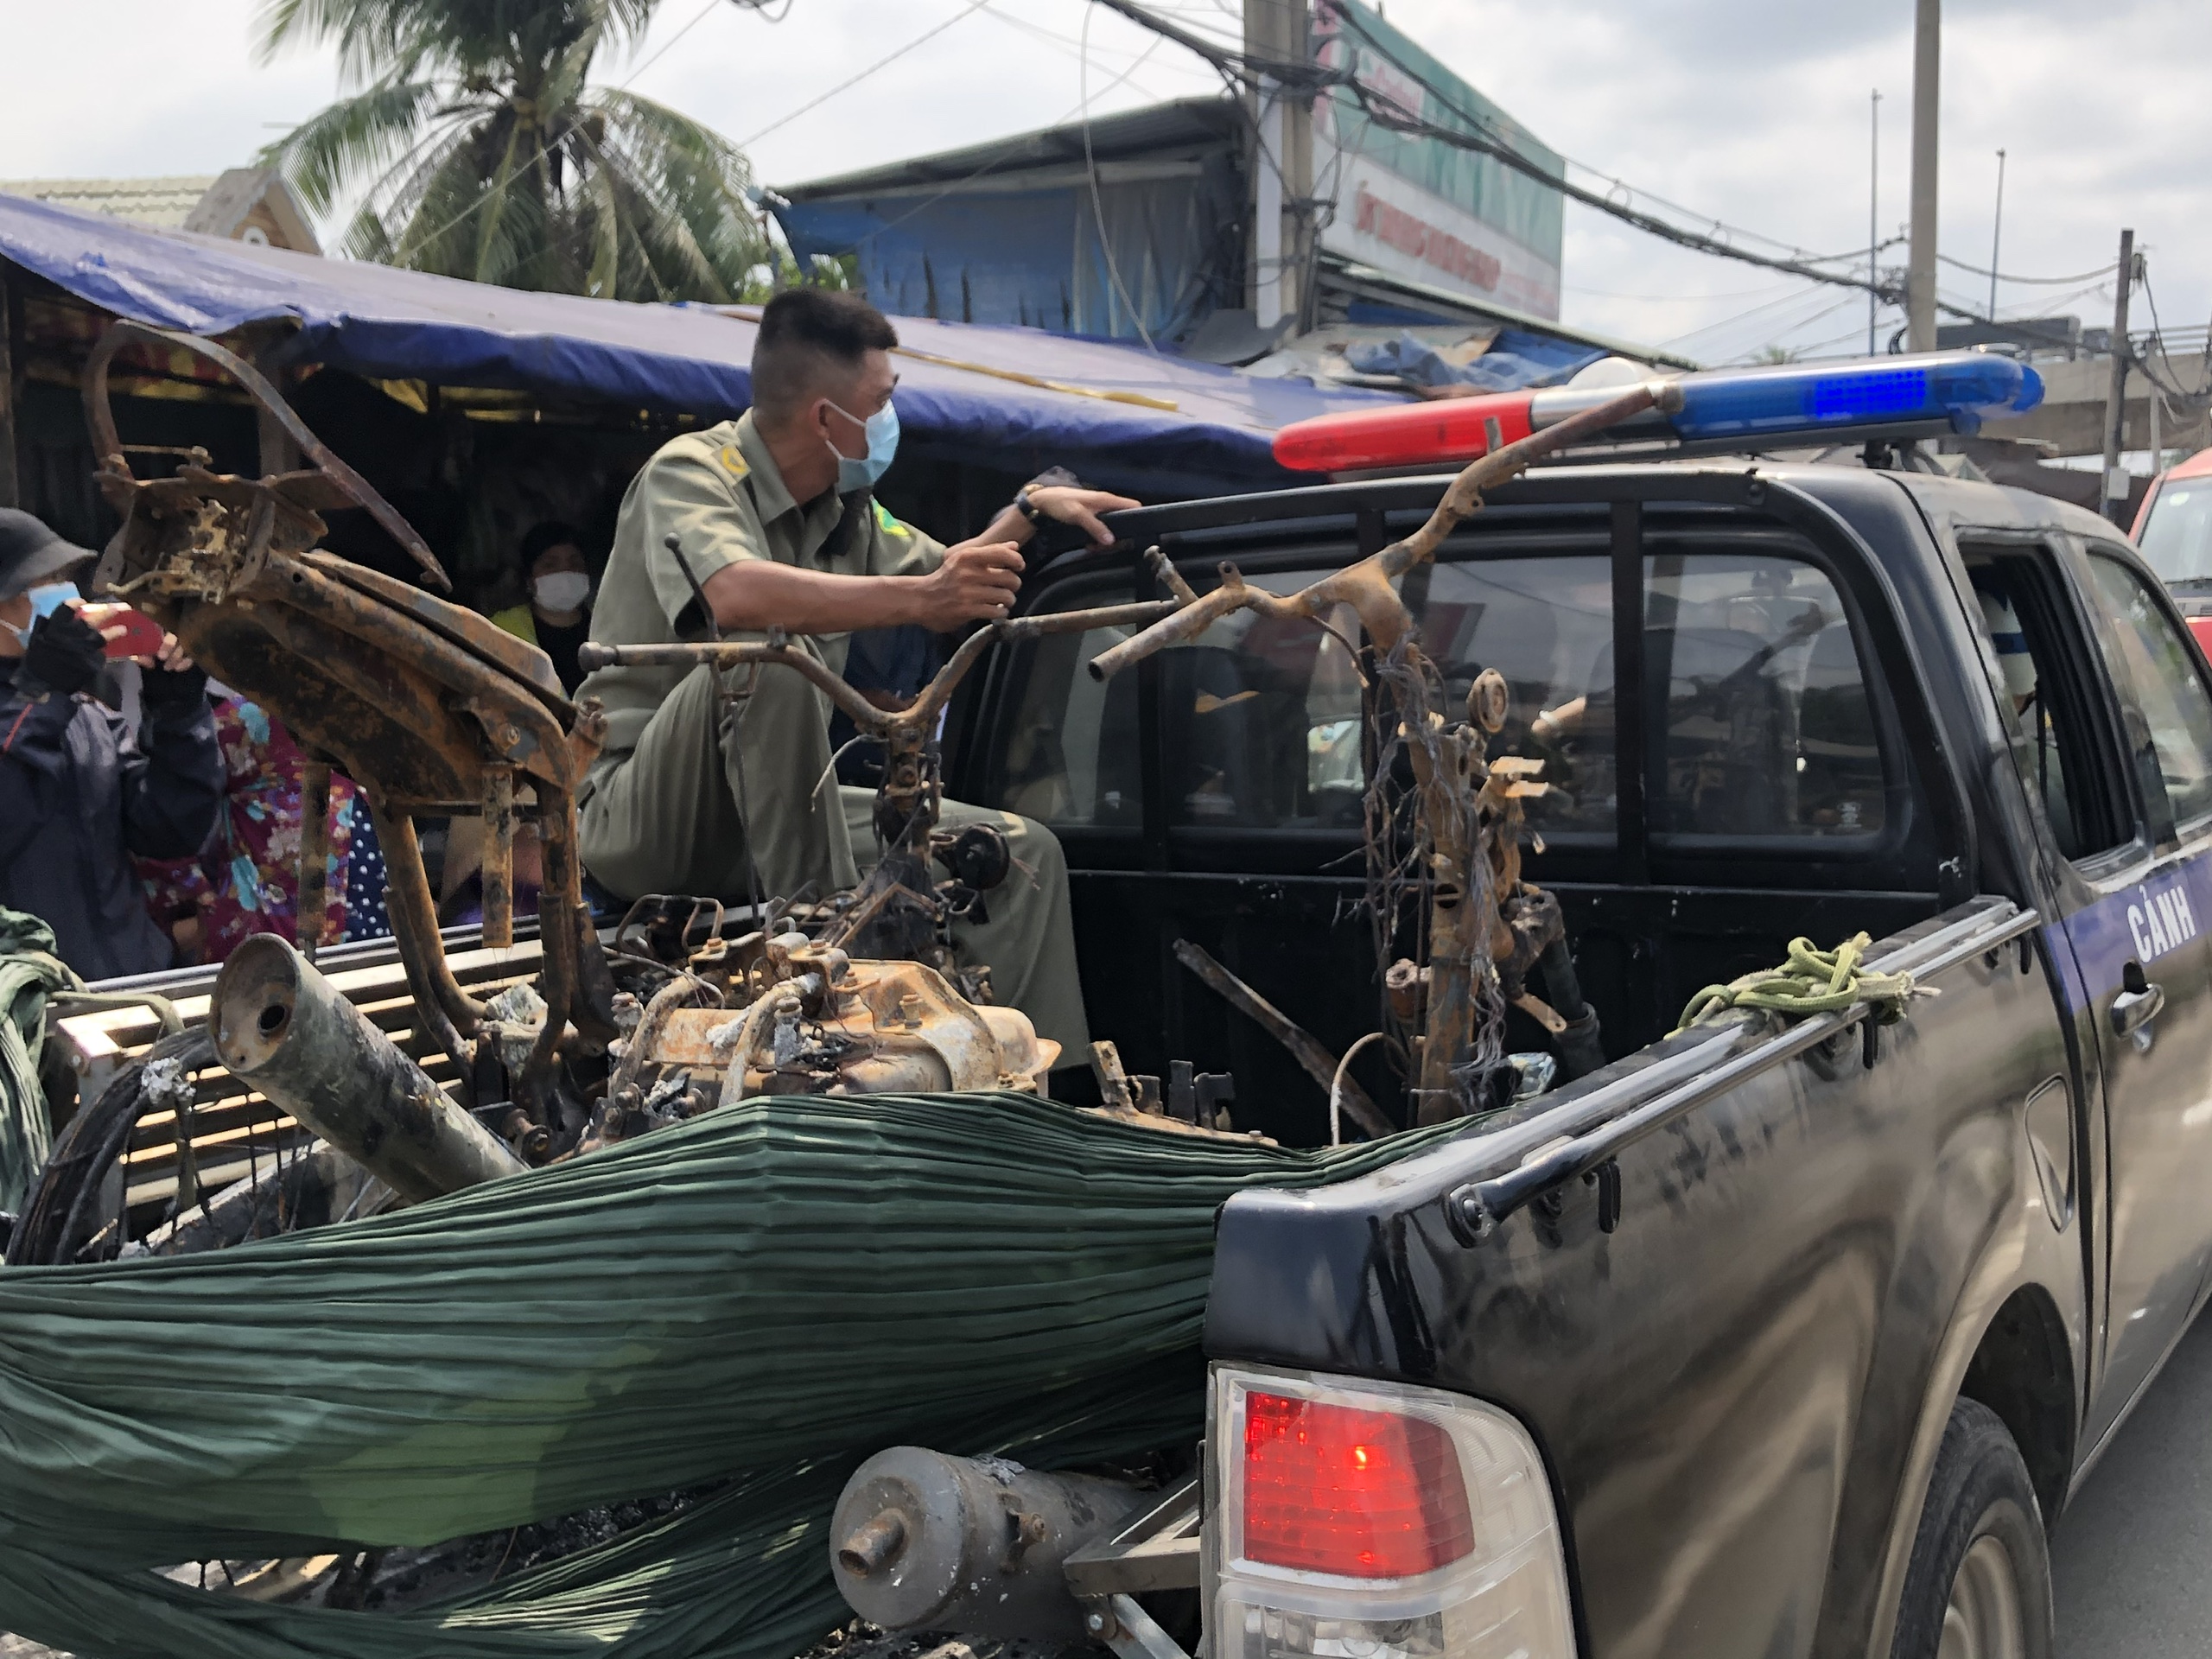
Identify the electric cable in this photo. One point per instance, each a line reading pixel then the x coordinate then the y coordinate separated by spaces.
pixel 2201 398
pixel 1003 159
pixel 1742 317
pixel 2030 281
pixel 930 33
pixel 1483 140
pixel 1097 202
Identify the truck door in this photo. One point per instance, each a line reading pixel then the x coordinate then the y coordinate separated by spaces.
pixel 2144 953
pixel 2113 740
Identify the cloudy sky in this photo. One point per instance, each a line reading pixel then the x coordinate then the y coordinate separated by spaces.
pixel 1747 111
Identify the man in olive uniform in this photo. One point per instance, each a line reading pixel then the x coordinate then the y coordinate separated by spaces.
pixel 701 771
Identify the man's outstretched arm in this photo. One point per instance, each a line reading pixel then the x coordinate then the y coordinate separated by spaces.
pixel 977 581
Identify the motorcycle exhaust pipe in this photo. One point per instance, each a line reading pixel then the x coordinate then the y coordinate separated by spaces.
pixel 283 1028
pixel 922 1541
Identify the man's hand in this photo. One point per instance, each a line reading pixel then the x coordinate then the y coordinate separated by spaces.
pixel 64 651
pixel 1081 508
pixel 978 581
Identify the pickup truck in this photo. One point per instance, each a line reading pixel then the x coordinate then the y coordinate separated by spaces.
pixel 1767 1337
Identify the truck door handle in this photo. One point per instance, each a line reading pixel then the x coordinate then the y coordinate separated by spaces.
pixel 2138 1003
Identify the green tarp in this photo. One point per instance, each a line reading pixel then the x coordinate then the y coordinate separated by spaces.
pixel 765 1296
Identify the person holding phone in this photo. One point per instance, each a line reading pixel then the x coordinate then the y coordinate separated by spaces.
pixel 80 792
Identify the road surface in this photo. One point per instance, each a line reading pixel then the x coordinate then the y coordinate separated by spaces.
pixel 2132 1559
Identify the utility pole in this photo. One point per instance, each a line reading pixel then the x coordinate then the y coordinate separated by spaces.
pixel 1873 214
pixel 1927 81
pixel 1282 163
pixel 1996 235
pixel 2115 486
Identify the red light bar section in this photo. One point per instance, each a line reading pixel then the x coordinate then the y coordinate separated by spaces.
pixel 1359 1494
pixel 1403 434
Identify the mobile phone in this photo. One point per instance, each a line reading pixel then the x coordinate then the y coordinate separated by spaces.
pixel 141 637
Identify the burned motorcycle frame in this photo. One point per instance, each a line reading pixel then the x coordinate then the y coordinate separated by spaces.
pixel 1453 859
pixel 428 706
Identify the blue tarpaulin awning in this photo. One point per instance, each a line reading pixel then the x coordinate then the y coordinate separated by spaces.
pixel 1119 414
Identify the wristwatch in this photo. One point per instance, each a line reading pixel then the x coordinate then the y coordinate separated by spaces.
pixel 1051 478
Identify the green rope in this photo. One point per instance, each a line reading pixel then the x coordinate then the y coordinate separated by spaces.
pixel 1815 981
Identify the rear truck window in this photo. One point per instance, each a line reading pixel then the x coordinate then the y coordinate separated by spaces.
pixel 1764 731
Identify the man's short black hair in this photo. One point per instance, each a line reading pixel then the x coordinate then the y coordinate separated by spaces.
pixel 810 337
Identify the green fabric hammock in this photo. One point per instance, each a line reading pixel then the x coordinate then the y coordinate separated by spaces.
pixel 767 1294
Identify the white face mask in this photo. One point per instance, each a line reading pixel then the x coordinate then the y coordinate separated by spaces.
pixel 564 590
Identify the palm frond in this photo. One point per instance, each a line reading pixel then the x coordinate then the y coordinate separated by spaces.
pixel 335 147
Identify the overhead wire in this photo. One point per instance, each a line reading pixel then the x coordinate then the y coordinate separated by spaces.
pixel 970 9
pixel 1097 201
pixel 2198 400
pixel 2028 282
pixel 1005 157
pixel 1481 138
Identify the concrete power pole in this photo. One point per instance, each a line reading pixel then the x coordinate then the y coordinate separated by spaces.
pixel 2114 493
pixel 1282 163
pixel 1927 81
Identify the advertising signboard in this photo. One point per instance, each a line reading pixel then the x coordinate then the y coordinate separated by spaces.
pixel 1418 207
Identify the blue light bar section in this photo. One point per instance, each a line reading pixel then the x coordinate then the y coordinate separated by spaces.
pixel 1958 387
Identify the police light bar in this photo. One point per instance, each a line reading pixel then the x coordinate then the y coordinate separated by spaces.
pixel 1953 390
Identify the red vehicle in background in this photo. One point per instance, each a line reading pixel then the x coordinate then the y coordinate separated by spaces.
pixel 2174 528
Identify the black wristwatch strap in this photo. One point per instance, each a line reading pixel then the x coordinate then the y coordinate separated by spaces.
pixel 1027 508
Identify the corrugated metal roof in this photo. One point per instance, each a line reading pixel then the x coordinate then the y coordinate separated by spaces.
pixel 1155 130
pixel 163 203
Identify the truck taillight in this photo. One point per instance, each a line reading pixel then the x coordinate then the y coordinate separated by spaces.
pixel 1362 1494
pixel 1358 1520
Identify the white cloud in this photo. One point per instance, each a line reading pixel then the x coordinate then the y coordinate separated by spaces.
pixel 1748 110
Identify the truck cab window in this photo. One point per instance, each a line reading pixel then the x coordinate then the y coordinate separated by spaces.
pixel 2044 707
pixel 2169 713
pixel 1067 755
pixel 1764 727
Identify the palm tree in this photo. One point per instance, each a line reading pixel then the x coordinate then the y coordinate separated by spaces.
pixel 477 148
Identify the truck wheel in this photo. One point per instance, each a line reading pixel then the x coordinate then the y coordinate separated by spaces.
pixel 1979 1587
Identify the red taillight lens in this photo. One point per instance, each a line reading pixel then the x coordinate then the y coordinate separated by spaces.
pixel 1361 1494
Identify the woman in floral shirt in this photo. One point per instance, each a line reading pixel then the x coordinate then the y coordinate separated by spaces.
pixel 246 879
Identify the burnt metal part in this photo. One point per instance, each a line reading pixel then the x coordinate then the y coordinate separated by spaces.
pixel 924 1541
pixel 311 1188
pixel 496 873
pixel 332 483
pixel 451 1013
pixel 1153 1548
pixel 59 1215
pixel 314 856
pixel 897 912
pixel 280 1026
pixel 1581 1051
pixel 1463 852
pixel 427 706
pixel 1306 1049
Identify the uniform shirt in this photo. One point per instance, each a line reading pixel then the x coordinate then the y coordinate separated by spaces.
pixel 719 489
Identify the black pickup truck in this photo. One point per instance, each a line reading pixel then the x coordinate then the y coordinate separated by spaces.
pixel 1766 1338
